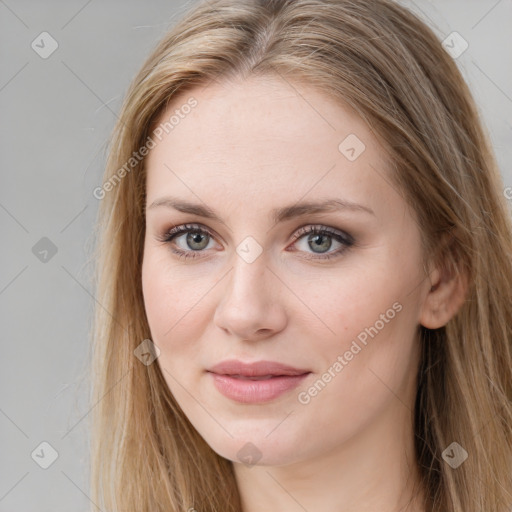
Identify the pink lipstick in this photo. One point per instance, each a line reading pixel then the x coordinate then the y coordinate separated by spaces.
pixel 257 382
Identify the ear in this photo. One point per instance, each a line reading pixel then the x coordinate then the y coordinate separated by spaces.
pixel 447 293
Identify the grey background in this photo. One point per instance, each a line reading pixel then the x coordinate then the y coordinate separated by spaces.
pixel 56 115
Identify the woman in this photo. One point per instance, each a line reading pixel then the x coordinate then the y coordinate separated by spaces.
pixel 304 272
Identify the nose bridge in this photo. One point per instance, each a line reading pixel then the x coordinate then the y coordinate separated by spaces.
pixel 250 303
pixel 249 274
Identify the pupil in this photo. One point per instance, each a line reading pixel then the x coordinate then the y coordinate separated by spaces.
pixel 196 238
pixel 326 246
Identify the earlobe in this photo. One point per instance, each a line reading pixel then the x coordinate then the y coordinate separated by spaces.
pixel 443 300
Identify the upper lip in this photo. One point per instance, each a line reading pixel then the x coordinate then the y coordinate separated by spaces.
pixel 255 369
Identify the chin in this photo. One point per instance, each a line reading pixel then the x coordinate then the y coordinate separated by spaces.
pixel 256 447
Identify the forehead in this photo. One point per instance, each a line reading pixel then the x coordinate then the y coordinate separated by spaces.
pixel 263 138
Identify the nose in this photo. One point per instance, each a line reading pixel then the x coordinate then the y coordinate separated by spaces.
pixel 251 306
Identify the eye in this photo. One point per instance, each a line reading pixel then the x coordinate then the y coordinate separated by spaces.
pixel 320 240
pixel 193 237
pixel 189 240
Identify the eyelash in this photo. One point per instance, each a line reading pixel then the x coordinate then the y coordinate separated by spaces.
pixel 344 238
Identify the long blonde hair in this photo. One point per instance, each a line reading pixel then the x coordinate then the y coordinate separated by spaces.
pixel 386 64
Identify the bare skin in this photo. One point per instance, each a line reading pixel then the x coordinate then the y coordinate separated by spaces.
pixel 245 149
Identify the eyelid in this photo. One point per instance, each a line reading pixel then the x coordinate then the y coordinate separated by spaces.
pixel 180 229
pixel 311 228
pixel 342 237
pixel 301 230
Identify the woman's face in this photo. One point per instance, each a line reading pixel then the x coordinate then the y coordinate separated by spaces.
pixel 252 283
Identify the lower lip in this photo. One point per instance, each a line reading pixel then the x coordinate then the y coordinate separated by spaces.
pixel 256 391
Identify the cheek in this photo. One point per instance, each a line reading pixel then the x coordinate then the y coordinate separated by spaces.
pixel 359 381
pixel 346 302
pixel 174 312
pixel 368 347
pixel 172 301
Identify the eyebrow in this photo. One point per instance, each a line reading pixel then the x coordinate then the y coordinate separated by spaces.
pixel 277 215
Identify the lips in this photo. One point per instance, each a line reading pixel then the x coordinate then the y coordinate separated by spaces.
pixel 258 369
pixel 245 377
pixel 259 382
